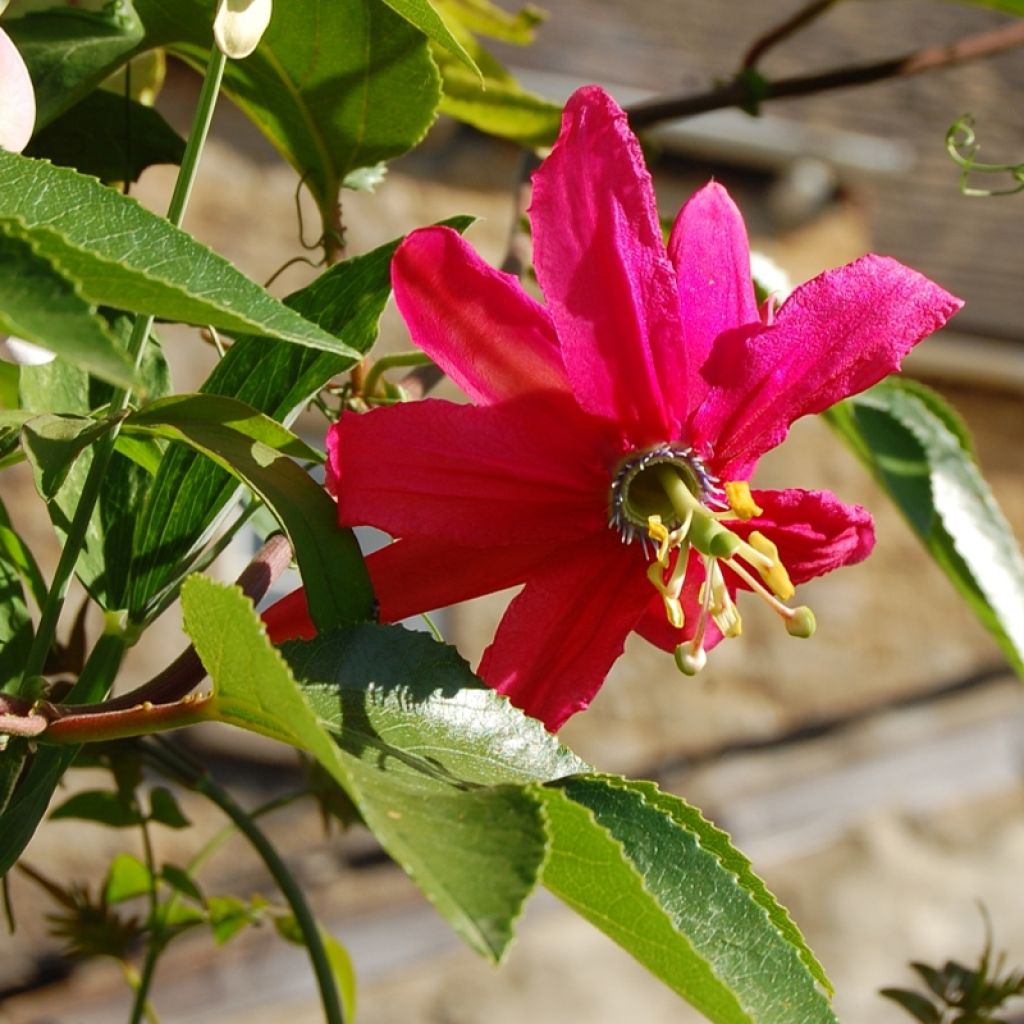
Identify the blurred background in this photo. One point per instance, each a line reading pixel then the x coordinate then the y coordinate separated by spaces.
pixel 875 776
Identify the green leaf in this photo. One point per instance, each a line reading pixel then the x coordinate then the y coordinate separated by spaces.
pixel 181 881
pixel 127 878
pixel 488 19
pixel 646 869
pixel 423 15
pixel 914 1003
pixel 99 806
pixel 916 449
pixel 257 451
pixel 164 809
pixel 228 915
pixel 475 849
pixel 337 956
pixel 54 443
pixel 15 554
pixel 102 566
pixel 274 378
pixel 16 631
pixel 496 103
pixel 41 303
pixel 110 137
pixel 335 87
pixel 1010 6
pixel 70 51
pixel 144 265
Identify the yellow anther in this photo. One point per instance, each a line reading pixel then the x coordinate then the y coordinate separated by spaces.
pixel 669 593
pixel 774 575
pixel 658 532
pixel 737 493
pixel 720 605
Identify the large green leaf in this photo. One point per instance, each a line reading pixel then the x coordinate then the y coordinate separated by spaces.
pixel 42 304
pixel 121 255
pixel 485 18
pixel 275 379
pixel 423 15
pixel 475 850
pixel 54 443
pixel 450 778
pixel 109 136
pixel 645 868
pixel 917 450
pixel 70 51
pixel 258 452
pixel 15 623
pixel 336 87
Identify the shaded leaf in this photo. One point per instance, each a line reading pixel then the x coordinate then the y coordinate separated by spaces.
pixel 914 1003
pixel 181 881
pixel 229 432
pixel 42 304
pixel 275 379
pixel 99 806
pixel 164 809
pixel 69 51
pixel 53 444
pixel 335 87
pixel 110 137
pixel 143 265
pixel 228 915
pixel 902 433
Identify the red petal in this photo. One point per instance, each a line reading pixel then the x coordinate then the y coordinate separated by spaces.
pixel 709 249
pixel 561 635
pixel 288 619
pixel 532 471
pixel 606 279
pixel 834 336
pixel 415 576
pixel 814 531
pixel 475 322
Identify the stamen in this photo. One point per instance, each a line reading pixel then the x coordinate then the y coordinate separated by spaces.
pixel 775 576
pixel 737 493
pixel 705 533
pixel 800 621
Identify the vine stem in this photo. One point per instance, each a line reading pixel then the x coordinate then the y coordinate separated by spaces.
pixel 165 756
pixel 104 449
pixel 737 93
pixel 156 944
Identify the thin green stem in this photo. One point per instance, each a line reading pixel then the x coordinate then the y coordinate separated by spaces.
pixel 104 449
pixel 156 938
pixel 385 363
pixel 168 758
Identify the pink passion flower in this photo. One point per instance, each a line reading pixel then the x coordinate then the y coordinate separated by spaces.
pixel 604 461
pixel 17 98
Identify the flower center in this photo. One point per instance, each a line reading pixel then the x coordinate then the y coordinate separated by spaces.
pixel 665 496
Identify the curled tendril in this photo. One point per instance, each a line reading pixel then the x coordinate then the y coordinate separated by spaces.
pixel 962 148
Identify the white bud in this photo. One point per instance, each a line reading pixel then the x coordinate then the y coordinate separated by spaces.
pixel 24 353
pixel 17 98
pixel 239 26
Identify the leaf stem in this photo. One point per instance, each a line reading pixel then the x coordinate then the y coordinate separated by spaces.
pixel 104 449
pixel 174 763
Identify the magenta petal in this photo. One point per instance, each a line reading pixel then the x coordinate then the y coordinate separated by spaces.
pixel 475 322
pixel 526 471
pixel 835 336
pixel 561 635
pixel 414 576
pixel 814 531
pixel 711 255
pixel 606 279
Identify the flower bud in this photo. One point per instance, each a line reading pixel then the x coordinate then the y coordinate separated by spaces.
pixel 802 623
pixel 690 661
pixel 24 353
pixel 239 26
pixel 17 98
